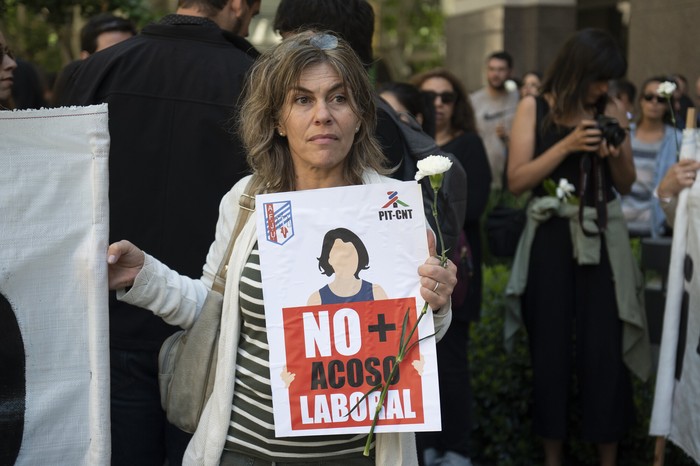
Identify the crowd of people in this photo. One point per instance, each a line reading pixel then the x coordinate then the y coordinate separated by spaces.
pixel 189 93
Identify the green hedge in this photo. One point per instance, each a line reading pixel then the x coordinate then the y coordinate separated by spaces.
pixel 502 385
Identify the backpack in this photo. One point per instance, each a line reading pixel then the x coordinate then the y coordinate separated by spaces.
pixel 452 197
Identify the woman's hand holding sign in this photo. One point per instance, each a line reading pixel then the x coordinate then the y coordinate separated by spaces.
pixel 437 282
pixel 124 261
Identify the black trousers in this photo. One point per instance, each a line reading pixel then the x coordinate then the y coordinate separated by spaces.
pixel 456 397
pixel 571 316
pixel 141 434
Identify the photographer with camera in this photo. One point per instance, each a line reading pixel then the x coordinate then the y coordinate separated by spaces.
pixel 574 278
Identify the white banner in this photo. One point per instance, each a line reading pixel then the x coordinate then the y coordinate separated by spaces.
pixel 676 412
pixel 54 342
pixel 340 273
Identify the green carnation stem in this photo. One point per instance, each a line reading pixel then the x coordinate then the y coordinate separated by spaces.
pixel 403 351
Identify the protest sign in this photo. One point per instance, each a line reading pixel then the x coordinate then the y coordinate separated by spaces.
pixel 340 273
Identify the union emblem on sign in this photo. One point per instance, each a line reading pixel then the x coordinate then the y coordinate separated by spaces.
pixel 279 227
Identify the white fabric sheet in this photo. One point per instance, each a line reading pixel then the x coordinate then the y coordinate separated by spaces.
pixel 54 219
pixel 676 411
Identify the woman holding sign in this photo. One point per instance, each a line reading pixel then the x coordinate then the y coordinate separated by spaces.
pixel 307 122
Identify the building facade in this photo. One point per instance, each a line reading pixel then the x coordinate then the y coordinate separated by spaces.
pixel 658 36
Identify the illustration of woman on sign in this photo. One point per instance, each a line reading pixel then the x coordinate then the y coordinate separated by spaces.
pixel 344 255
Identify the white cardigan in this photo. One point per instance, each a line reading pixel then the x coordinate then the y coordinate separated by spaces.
pixel 179 299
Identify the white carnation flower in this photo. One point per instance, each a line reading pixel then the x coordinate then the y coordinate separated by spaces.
pixel 432 165
pixel 565 189
pixel 510 85
pixel 666 89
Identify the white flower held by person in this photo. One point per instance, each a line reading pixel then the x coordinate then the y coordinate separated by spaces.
pixel 510 85
pixel 666 89
pixel 433 166
pixel 565 189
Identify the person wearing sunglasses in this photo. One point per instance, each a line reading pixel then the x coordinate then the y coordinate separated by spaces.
pixel 7 68
pixel 653 141
pixel 455 132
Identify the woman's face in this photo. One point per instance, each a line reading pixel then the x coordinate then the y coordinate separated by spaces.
pixel 7 67
pixel 319 123
pixel 343 257
pixel 443 91
pixel 531 85
pixel 652 105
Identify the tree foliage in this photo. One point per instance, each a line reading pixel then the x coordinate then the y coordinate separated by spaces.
pixel 411 35
pixel 46 32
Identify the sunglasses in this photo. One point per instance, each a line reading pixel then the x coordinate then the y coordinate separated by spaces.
pixel 446 97
pixel 5 50
pixel 324 41
pixel 652 97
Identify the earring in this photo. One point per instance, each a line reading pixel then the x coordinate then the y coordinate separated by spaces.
pixel 357 130
pixel 282 133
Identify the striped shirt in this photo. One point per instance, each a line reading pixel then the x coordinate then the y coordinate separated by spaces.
pixel 637 206
pixel 251 430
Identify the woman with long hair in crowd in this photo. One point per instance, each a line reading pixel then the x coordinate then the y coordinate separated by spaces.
pixel 574 273
pixel 7 68
pixel 654 142
pixel 530 85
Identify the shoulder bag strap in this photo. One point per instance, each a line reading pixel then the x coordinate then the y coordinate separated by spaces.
pixel 247 207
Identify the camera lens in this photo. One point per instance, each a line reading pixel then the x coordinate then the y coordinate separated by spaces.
pixel 611 130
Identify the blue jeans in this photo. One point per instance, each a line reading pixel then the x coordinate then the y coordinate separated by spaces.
pixel 141 434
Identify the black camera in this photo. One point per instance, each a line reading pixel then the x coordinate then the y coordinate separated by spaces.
pixel 611 130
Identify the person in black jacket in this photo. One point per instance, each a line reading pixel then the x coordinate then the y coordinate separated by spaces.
pixel 172 93
pixel 100 32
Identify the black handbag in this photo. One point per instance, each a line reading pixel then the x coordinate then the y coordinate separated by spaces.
pixel 504 225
